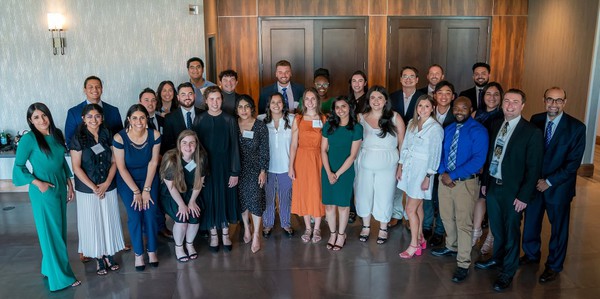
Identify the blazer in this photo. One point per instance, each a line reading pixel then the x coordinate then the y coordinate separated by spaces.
pixel 174 125
pixel 563 156
pixel 265 92
pixel 470 93
pixel 522 162
pixel 397 99
pixel 449 118
pixel 112 119
pixel 161 123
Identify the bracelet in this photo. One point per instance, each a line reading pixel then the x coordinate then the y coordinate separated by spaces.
pixel 136 192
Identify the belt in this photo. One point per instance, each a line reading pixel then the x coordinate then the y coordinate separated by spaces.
pixel 497 181
pixel 473 176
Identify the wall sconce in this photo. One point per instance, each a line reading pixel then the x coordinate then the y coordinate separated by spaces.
pixel 55 26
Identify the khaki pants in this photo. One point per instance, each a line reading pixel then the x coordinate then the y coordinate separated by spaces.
pixel 456 209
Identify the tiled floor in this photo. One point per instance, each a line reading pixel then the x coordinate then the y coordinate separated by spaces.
pixel 287 268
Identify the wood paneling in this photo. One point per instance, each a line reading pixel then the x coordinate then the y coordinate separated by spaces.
pixel 377 7
pixel 237 7
pixel 377 51
pixel 210 17
pixel 507 50
pixel 238 50
pixel 510 7
pixel 440 8
pixel 312 7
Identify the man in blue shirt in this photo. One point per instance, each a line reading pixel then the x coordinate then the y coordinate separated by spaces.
pixel 463 154
pixel 195 67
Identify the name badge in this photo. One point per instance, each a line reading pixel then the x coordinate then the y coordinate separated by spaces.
pixel 97 149
pixel 248 134
pixel 317 124
pixel 191 166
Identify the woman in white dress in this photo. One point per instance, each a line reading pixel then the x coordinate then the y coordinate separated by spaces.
pixel 419 161
pixel 375 183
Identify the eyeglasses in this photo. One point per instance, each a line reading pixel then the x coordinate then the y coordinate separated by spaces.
pixel 556 101
pixel 96 116
pixel 322 85
pixel 408 76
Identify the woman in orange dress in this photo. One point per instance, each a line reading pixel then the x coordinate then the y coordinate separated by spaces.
pixel 305 164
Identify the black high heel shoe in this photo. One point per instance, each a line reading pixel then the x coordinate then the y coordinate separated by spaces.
pixel 142 267
pixel 214 249
pixel 153 264
pixel 110 263
pixel 229 247
pixel 101 267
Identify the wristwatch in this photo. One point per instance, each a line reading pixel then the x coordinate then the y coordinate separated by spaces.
pixel 428 175
pixel 147 189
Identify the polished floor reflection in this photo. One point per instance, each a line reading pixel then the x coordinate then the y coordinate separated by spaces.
pixel 287 268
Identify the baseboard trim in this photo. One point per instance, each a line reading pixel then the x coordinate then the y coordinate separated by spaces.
pixel 586 170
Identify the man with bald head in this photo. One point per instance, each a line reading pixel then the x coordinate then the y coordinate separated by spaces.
pixel 463 154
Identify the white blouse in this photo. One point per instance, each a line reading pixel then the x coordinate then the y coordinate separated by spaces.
pixel 280 140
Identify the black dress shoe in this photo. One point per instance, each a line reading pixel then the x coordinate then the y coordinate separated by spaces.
pixel 524 260
pixel 289 232
pixel 502 282
pixel 351 217
pixel 460 274
pixel 436 240
pixel 427 234
pixel 443 251
pixel 267 233
pixel 487 264
pixel 548 275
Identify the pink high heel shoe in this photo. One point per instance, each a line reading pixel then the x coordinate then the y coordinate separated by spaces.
pixel 407 255
pixel 423 243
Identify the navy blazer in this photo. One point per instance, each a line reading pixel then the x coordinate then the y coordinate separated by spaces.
pixel 397 99
pixel 174 125
pixel 470 93
pixel 522 162
pixel 112 119
pixel 563 156
pixel 267 91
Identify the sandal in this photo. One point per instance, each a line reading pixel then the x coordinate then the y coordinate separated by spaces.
pixel 110 262
pixel 191 255
pixel 382 240
pixel 76 283
pixel 181 259
pixel 476 235
pixel 338 247
pixel 266 233
pixel 365 237
pixel 407 255
pixel 306 236
pixel 331 244
pixel 101 267
pixel 316 238
pixel 214 237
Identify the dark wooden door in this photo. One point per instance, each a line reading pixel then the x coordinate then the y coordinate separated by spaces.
pixel 455 44
pixel 339 45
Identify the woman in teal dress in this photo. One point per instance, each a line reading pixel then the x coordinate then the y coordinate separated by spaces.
pixel 342 136
pixel 50 189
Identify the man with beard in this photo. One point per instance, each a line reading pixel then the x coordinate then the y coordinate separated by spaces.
pixel 463 154
pixel 481 77
pixel 434 76
pixel 229 80
pixel 179 120
pixel 291 91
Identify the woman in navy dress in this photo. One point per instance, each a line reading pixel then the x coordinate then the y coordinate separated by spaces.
pixel 136 149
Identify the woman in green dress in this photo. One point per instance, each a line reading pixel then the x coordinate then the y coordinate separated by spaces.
pixel 50 189
pixel 342 136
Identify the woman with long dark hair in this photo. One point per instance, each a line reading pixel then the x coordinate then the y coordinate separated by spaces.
pixel 342 137
pixel 383 132
pixel 98 219
pixel 166 100
pixel 50 189
pixel 137 149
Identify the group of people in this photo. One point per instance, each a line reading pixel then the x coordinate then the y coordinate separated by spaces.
pixel 200 154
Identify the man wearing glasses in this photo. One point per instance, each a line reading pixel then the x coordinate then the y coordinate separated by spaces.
pixel 403 100
pixel 564 141
pixel 195 67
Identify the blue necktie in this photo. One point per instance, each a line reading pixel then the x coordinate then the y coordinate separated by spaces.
pixel 285 98
pixel 189 120
pixel 548 133
pixel 454 149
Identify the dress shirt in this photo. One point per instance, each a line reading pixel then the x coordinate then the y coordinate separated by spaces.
pixel 555 121
pixel 512 124
pixel 407 99
pixel 472 149
pixel 441 117
pixel 280 140
pixel 184 112
pixel 292 103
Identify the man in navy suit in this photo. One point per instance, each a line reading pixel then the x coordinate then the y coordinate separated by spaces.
pixel 434 76
pixel 180 119
pixel 92 87
pixel 509 179
pixel 564 146
pixel 148 100
pixel 292 92
pixel 481 77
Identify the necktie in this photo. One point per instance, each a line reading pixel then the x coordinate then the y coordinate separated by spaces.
pixel 480 99
pixel 498 149
pixel 454 149
pixel 548 133
pixel 151 123
pixel 285 97
pixel 188 118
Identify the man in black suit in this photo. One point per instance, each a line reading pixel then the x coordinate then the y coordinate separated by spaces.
pixel 481 77
pixel 148 99
pixel 292 92
pixel 229 80
pixel 510 175
pixel 434 76
pixel 404 99
pixel 180 119
pixel 564 146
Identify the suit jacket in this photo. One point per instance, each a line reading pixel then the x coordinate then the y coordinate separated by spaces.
pixel 174 125
pixel 112 119
pixel 161 123
pixel 563 156
pixel 470 93
pixel 449 118
pixel 522 162
pixel 397 99
pixel 265 92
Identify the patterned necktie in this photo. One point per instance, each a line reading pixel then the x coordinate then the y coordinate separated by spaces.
pixel 285 97
pixel 188 117
pixel 454 149
pixel 548 133
pixel 498 147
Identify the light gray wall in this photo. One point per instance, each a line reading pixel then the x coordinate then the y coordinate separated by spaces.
pixel 129 44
